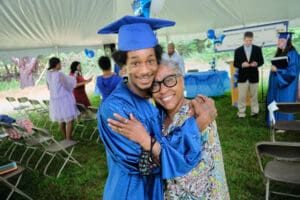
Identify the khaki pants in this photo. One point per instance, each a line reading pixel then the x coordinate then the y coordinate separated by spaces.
pixel 242 91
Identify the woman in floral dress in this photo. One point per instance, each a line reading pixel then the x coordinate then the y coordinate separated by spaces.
pixel 190 172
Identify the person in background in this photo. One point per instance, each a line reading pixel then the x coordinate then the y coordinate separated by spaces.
pixel 140 53
pixel 173 55
pixel 247 58
pixel 108 81
pixel 79 91
pixel 204 175
pixel 283 82
pixel 62 105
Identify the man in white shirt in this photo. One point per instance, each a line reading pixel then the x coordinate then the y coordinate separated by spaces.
pixel 172 55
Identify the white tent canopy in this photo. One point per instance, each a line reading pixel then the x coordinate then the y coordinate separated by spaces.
pixel 34 27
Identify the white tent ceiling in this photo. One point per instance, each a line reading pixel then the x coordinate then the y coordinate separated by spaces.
pixel 39 26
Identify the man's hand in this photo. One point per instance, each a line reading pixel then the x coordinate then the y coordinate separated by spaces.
pixel 245 64
pixel 253 64
pixel 204 110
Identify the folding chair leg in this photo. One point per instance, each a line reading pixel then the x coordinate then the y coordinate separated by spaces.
pixel 29 158
pixel 272 131
pixel 267 189
pixel 23 155
pixel 48 164
pixel 38 162
pixel 11 153
pixel 15 189
pixel 93 133
pixel 83 130
pixel 8 149
pixel 66 161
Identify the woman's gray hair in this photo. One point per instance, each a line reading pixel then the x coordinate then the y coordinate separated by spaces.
pixel 172 65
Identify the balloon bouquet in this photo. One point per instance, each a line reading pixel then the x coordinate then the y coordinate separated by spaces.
pixel 90 54
pixel 217 41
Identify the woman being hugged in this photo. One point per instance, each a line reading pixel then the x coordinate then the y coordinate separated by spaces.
pixel 190 152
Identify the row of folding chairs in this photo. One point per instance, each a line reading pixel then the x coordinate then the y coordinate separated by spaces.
pixel 30 107
pixel 38 144
pixel 284 165
pixel 33 108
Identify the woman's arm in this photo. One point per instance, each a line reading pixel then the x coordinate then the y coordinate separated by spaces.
pixel 83 82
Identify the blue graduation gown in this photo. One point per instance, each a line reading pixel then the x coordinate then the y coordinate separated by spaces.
pixel 179 154
pixel 181 151
pixel 124 180
pixel 283 85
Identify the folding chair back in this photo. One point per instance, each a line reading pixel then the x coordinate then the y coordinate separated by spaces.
pixel 285 166
pixel 23 100
pixel 286 125
pixel 15 104
pixel 288 108
pixel 81 108
pixel 46 102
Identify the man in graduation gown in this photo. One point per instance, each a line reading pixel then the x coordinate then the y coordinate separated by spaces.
pixel 142 55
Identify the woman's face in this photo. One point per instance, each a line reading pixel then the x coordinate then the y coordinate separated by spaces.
pixel 170 98
pixel 58 66
pixel 282 43
pixel 78 67
pixel 141 68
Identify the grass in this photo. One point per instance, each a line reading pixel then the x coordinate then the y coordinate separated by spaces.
pixel 238 138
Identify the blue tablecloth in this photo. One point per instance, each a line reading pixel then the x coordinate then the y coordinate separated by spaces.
pixel 209 83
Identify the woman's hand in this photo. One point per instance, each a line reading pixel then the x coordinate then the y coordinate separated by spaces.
pixel 130 128
pixel 89 79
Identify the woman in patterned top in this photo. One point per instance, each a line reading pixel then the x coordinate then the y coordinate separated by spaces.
pixel 206 180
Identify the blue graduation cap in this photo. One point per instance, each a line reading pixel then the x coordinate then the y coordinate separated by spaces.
pixel 136 32
pixel 285 35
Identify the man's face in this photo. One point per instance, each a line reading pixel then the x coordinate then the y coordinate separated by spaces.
pixel 141 69
pixel 171 49
pixel 248 41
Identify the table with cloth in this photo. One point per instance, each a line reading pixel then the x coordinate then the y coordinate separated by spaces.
pixel 209 83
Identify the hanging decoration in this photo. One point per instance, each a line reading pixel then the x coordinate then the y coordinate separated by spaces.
pixel 27 65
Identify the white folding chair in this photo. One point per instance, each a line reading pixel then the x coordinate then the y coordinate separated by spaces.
pixel 54 149
pixel 94 111
pixel 20 109
pixel 14 187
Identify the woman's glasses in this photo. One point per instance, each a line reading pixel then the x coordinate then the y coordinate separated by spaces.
pixel 169 81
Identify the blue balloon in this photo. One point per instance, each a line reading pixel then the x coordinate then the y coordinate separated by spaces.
pixel 211 34
pixel 219 40
pixel 89 53
pixel 141 8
